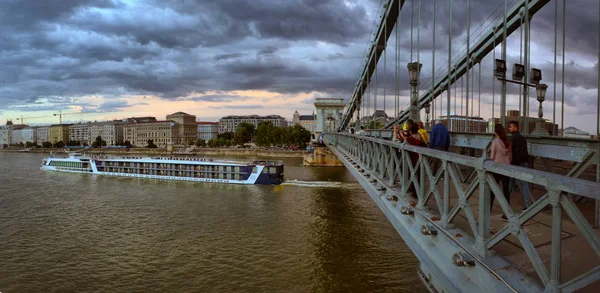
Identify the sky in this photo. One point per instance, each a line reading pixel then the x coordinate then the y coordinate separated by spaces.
pixel 111 59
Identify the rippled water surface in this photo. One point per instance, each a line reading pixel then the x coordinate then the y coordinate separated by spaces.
pixel 81 233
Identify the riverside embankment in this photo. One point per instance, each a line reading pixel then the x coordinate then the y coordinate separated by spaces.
pixel 182 152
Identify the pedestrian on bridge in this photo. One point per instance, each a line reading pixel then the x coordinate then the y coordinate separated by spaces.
pixel 415 139
pixel 439 139
pixel 362 131
pixel 520 157
pixel 405 133
pixel 423 133
pixel 501 153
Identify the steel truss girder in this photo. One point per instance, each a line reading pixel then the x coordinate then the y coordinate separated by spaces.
pixel 478 242
pixel 384 30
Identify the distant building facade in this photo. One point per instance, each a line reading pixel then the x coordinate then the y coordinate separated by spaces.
pixel 29 134
pixel 80 133
pixel 58 132
pixel 187 129
pixel 160 132
pixel 309 122
pixel 42 134
pixel 140 119
pixel 110 131
pixel 456 123
pixel 575 133
pixel 7 133
pixel 230 123
pixel 513 115
pixel 207 130
pixel 380 116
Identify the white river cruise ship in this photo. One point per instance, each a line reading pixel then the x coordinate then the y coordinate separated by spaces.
pixel 170 168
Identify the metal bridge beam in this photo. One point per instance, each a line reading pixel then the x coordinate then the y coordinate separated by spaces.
pixel 480 50
pixel 384 30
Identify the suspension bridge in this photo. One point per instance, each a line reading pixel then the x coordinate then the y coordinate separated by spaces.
pixel 462 245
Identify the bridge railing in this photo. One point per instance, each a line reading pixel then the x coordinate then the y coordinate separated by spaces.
pixel 436 175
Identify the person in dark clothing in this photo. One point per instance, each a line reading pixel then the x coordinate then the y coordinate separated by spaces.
pixel 439 139
pixel 520 157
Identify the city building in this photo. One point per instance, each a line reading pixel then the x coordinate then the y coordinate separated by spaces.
pixel 309 122
pixel 7 133
pixel 16 136
pixel 186 128
pixel 575 133
pixel 458 123
pixel 380 116
pixel 207 130
pixel 110 131
pixel 160 132
pixel 80 133
pixel 513 115
pixel 42 134
pixel 29 134
pixel 230 123
pixel 145 119
pixel 58 132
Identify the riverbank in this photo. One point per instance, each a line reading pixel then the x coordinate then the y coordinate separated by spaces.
pixel 196 152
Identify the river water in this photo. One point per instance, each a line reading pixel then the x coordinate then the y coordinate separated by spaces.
pixel 82 233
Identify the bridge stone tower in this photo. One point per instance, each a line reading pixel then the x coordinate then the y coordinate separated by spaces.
pixel 329 114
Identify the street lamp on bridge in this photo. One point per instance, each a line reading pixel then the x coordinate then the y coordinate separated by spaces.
pixel 414 70
pixel 427 109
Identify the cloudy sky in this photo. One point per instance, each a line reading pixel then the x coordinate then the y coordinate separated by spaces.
pixel 113 59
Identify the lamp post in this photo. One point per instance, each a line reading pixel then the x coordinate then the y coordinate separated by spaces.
pixel 414 70
pixel 427 109
pixel 540 90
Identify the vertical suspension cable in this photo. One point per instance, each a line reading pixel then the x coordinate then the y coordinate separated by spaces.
pixel 396 81
pixel 555 133
pixel 433 67
pixel 562 110
pixel 468 60
pixel 503 94
pixel 449 84
pixel 527 59
pixel 494 78
pixel 412 18
pixel 376 86
pixel 419 52
pixel 479 94
pixel 521 87
pixel 598 65
pixel 384 65
pixel 472 92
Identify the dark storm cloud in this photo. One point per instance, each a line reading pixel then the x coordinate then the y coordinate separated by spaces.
pixel 166 48
pixel 174 49
pixel 228 56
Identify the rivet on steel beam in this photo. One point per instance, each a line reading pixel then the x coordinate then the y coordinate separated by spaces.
pixel 428 230
pixel 406 210
pixel 462 260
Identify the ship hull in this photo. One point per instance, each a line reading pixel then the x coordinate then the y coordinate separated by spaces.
pixel 182 169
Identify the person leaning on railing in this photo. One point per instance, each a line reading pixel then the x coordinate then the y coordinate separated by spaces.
pixel 501 152
pixel 414 138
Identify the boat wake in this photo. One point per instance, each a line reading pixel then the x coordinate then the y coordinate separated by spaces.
pixel 313 183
